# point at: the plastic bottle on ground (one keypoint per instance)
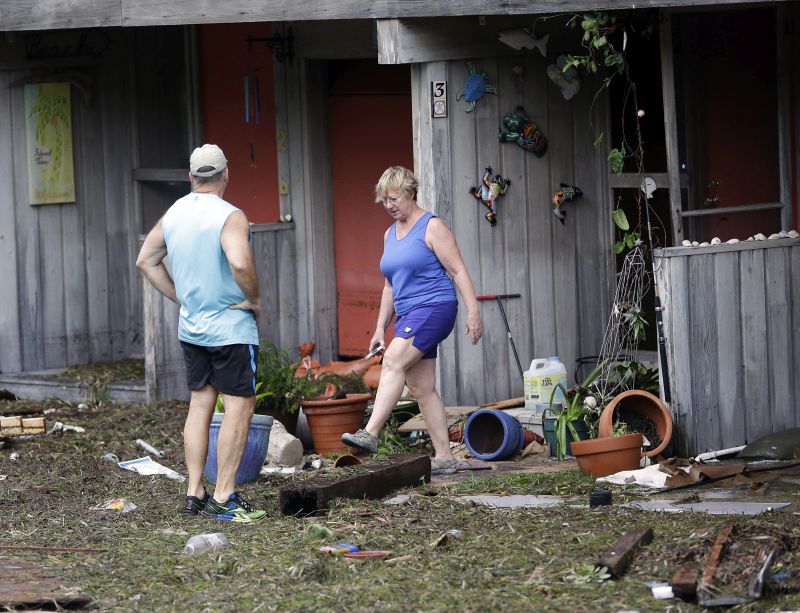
(205, 542)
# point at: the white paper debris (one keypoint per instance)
(148, 466)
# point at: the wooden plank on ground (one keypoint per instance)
(25, 584)
(17, 426)
(365, 481)
(684, 581)
(454, 414)
(505, 404)
(10, 426)
(619, 557)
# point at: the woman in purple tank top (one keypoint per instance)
(423, 268)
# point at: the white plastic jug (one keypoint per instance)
(541, 379)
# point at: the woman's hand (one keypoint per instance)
(377, 340)
(474, 327)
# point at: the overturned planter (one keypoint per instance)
(645, 404)
(604, 456)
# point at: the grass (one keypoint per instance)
(521, 559)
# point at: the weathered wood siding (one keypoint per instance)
(41, 14)
(732, 328)
(563, 271)
(275, 254)
(69, 293)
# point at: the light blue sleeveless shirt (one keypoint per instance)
(415, 273)
(202, 275)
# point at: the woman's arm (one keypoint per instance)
(442, 242)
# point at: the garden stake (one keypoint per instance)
(500, 298)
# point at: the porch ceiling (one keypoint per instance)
(66, 14)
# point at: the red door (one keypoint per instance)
(370, 119)
(733, 77)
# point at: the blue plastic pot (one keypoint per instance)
(255, 451)
(549, 425)
(493, 435)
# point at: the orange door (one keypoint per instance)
(370, 119)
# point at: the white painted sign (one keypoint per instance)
(439, 98)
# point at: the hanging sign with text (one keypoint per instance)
(48, 123)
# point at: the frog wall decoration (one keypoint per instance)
(475, 87)
(491, 189)
(521, 130)
(567, 193)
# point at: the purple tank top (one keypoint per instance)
(415, 273)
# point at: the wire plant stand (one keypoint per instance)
(623, 334)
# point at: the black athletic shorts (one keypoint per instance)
(231, 369)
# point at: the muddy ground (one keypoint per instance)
(521, 559)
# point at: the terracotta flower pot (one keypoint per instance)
(605, 456)
(329, 419)
(644, 403)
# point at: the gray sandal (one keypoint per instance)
(444, 467)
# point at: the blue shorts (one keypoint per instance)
(429, 325)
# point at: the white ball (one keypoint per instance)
(640, 113)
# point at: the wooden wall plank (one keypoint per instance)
(265, 255)
(319, 210)
(28, 248)
(702, 311)
(53, 277)
(11, 355)
(286, 260)
(432, 165)
(496, 353)
(297, 107)
(540, 219)
(466, 226)
(729, 347)
(755, 344)
(565, 290)
(124, 301)
(794, 275)
(779, 334)
(673, 280)
(513, 215)
(73, 255)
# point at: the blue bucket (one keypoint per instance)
(255, 451)
(493, 435)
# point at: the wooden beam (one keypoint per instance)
(49, 15)
(159, 175)
(671, 128)
(684, 581)
(619, 557)
(785, 81)
(361, 481)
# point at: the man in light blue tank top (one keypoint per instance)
(212, 277)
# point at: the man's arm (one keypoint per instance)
(151, 263)
(236, 245)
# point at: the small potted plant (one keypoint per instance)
(570, 423)
(338, 409)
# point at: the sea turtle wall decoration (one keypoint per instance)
(475, 86)
(491, 189)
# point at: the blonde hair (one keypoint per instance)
(397, 178)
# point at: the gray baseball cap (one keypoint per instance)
(207, 160)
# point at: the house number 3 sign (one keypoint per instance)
(439, 98)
